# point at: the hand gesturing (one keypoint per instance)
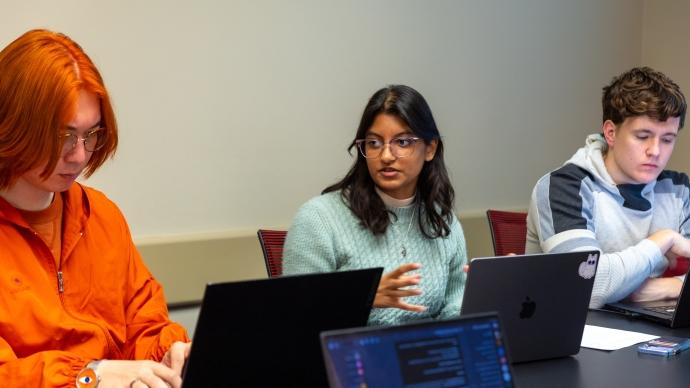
(396, 285)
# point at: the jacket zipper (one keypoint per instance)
(60, 278)
(112, 348)
(61, 282)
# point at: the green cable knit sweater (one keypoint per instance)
(326, 236)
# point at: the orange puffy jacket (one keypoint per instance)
(102, 303)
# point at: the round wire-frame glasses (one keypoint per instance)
(93, 141)
(400, 147)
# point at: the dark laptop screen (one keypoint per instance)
(265, 333)
(465, 352)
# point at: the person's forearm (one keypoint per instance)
(621, 273)
(664, 239)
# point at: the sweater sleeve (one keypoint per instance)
(561, 218)
(40, 369)
(456, 278)
(685, 216)
(309, 245)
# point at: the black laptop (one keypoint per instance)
(671, 312)
(461, 352)
(542, 300)
(265, 333)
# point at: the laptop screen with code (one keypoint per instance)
(462, 352)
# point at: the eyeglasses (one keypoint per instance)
(400, 147)
(94, 140)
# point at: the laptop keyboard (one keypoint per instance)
(668, 310)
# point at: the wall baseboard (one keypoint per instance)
(184, 264)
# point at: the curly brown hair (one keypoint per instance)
(643, 91)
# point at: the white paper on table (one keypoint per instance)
(603, 338)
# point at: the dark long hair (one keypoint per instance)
(435, 194)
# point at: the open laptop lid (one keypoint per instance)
(672, 312)
(464, 352)
(542, 300)
(266, 332)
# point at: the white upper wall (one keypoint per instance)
(233, 113)
(666, 47)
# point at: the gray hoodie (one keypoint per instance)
(579, 207)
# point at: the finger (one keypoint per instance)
(403, 282)
(177, 357)
(404, 269)
(403, 293)
(465, 268)
(151, 381)
(411, 307)
(682, 248)
(387, 301)
(392, 284)
(166, 375)
(409, 278)
(137, 383)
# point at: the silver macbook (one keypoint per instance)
(542, 300)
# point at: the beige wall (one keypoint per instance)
(666, 47)
(662, 43)
(233, 113)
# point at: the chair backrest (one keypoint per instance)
(508, 231)
(272, 246)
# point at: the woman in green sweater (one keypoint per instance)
(393, 209)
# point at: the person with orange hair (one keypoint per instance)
(78, 305)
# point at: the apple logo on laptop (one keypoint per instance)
(528, 308)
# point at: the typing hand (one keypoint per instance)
(670, 241)
(392, 288)
(175, 356)
(681, 247)
(137, 374)
(657, 289)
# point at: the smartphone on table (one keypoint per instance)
(664, 346)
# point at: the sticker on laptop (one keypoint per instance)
(588, 267)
